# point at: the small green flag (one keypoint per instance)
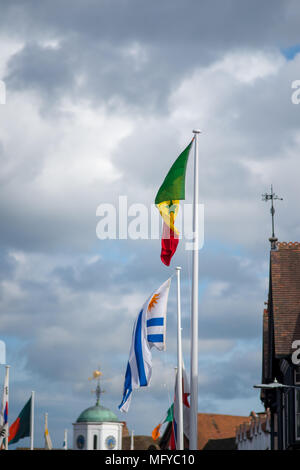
(167, 200)
(168, 419)
(21, 427)
(173, 186)
(170, 414)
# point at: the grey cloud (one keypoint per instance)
(172, 21)
(223, 379)
(7, 265)
(42, 69)
(175, 38)
(99, 72)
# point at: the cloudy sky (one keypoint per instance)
(101, 98)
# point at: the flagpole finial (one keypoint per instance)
(197, 131)
(178, 268)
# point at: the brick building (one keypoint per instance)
(281, 331)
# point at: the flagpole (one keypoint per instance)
(7, 393)
(194, 319)
(46, 428)
(32, 421)
(66, 439)
(132, 441)
(179, 443)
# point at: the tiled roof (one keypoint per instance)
(210, 427)
(140, 442)
(221, 444)
(214, 426)
(285, 272)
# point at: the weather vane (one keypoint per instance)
(96, 376)
(271, 197)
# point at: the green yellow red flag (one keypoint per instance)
(167, 200)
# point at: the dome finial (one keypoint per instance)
(96, 375)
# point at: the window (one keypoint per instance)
(95, 442)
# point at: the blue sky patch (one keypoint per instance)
(290, 52)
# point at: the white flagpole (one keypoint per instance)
(132, 441)
(66, 439)
(32, 421)
(6, 392)
(194, 320)
(179, 443)
(46, 429)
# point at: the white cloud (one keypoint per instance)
(8, 47)
(249, 66)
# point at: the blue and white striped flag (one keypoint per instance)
(149, 331)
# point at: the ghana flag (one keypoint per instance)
(167, 202)
(21, 427)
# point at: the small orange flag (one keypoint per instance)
(155, 432)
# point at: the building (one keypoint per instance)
(228, 443)
(255, 435)
(215, 431)
(281, 340)
(139, 443)
(98, 428)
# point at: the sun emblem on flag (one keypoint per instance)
(153, 301)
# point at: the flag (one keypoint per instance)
(167, 419)
(21, 427)
(65, 443)
(4, 411)
(167, 201)
(186, 411)
(48, 442)
(149, 331)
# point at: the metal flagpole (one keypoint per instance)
(6, 392)
(194, 319)
(179, 443)
(132, 441)
(66, 440)
(32, 421)
(46, 430)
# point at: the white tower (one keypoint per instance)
(97, 428)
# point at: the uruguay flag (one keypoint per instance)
(149, 331)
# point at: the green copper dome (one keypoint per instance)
(97, 414)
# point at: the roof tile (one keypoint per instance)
(285, 272)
